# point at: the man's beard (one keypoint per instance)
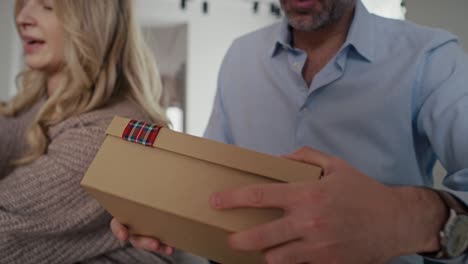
(312, 21)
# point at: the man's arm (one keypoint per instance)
(441, 114)
(347, 217)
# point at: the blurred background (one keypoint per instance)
(190, 37)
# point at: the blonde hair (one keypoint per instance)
(105, 58)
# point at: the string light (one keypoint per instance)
(274, 7)
(255, 7)
(205, 7)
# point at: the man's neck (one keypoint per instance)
(322, 45)
(332, 35)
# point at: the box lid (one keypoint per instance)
(281, 169)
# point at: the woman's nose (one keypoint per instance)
(24, 18)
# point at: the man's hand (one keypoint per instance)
(146, 243)
(345, 218)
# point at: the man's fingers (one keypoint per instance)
(266, 236)
(314, 157)
(275, 195)
(290, 253)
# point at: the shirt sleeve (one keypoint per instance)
(443, 116)
(218, 127)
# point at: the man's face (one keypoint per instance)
(310, 15)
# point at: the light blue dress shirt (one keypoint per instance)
(391, 102)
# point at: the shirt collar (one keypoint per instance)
(360, 35)
(282, 38)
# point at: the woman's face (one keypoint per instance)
(42, 35)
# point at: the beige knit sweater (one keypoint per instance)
(45, 217)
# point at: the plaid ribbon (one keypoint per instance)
(141, 132)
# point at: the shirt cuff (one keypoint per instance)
(462, 198)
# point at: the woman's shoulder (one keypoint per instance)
(123, 107)
(102, 117)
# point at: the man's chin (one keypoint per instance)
(303, 24)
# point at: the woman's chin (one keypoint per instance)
(40, 67)
(36, 66)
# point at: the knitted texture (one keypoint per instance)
(45, 216)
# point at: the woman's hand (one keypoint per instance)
(141, 242)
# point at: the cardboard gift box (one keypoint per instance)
(158, 183)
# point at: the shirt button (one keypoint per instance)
(297, 65)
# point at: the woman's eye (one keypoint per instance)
(48, 8)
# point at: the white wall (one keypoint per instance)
(387, 8)
(449, 15)
(7, 50)
(209, 37)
